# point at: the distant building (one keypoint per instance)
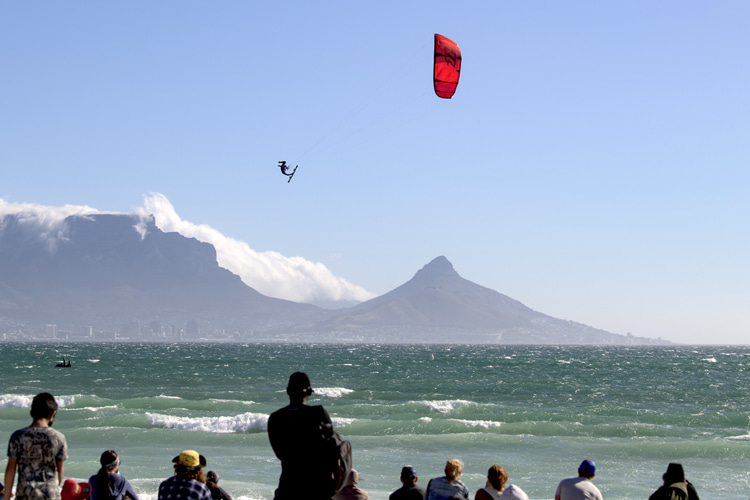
(192, 330)
(132, 330)
(51, 332)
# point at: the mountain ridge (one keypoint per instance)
(438, 305)
(119, 275)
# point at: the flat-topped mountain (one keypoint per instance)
(108, 270)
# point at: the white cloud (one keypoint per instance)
(43, 223)
(272, 274)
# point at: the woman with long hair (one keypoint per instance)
(108, 483)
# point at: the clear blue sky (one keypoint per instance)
(593, 163)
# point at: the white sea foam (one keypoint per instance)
(63, 401)
(24, 401)
(479, 423)
(446, 406)
(221, 425)
(15, 401)
(746, 437)
(710, 360)
(341, 421)
(332, 392)
(425, 419)
(94, 408)
(234, 401)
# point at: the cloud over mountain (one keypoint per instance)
(272, 274)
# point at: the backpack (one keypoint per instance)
(339, 453)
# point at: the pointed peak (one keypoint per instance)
(438, 266)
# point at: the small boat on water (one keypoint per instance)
(63, 364)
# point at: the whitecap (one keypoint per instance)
(63, 401)
(479, 423)
(445, 406)
(710, 360)
(248, 402)
(220, 425)
(24, 401)
(332, 392)
(341, 421)
(93, 408)
(15, 401)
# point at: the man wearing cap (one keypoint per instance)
(675, 487)
(409, 490)
(297, 434)
(188, 482)
(581, 487)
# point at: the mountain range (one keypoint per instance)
(111, 276)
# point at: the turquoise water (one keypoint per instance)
(537, 411)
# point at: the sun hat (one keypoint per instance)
(72, 490)
(190, 458)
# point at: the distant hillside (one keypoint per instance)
(438, 305)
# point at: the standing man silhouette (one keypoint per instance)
(298, 433)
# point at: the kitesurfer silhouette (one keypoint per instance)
(285, 169)
(63, 364)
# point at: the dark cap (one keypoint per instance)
(408, 472)
(587, 468)
(299, 383)
(212, 476)
(675, 473)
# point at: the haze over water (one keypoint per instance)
(537, 411)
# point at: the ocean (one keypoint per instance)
(537, 411)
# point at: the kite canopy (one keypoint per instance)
(447, 66)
